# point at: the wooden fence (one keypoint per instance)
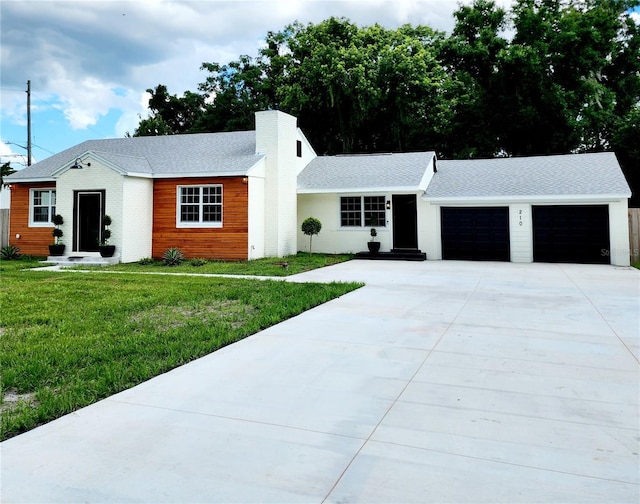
(634, 234)
(4, 227)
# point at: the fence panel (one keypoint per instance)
(4, 227)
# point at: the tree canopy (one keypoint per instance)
(546, 77)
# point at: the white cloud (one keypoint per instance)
(77, 53)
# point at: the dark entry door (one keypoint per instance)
(571, 233)
(88, 214)
(405, 221)
(475, 234)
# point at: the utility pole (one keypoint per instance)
(28, 123)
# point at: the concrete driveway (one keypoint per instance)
(437, 382)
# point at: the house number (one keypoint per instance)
(520, 218)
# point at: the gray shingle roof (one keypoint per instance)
(571, 174)
(203, 153)
(381, 171)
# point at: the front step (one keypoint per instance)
(82, 260)
(394, 255)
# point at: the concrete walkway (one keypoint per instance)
(437, 382)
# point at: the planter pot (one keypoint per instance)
(374, 247)
(56, 250)
(107, 250)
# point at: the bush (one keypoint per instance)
(198, 261)
(9, 253)
(146, 261)
(172, 257)
(311, 226)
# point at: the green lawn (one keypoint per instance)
(270, 266)
(70, 339)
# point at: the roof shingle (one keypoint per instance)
(561, 175)
(206, 153)
(353, 172)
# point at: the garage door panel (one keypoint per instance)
(475, 233)
(571, 233)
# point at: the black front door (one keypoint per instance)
(405, 221)
(88, 220)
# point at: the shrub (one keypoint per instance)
(311, 226)
(172, 257)
(106, 232)
(146, 261)
(198, 261)
(10, 252)
(57, 232)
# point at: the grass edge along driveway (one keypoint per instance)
(69, 340)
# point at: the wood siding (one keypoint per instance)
(230, 242)
(33, 240)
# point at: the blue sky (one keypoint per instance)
(90, 61)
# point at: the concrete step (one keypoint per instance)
(83, 260)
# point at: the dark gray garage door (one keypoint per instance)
(476, 234)
(577, 234)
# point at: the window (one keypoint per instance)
(43, 207)
(200, 206)
(359, 211)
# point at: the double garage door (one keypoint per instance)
(561, 233)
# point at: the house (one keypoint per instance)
(244, 195)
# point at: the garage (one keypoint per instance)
(475, 233)
(571, 234)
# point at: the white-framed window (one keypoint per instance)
(199, 206)
(363, 211)
(42, 207)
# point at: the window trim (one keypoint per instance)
(200, 223)
(32, 206)
(362, 225)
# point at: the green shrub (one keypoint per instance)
(10, 252)
(198, 261)
(311, 226)
(172, 257)
(146, 261)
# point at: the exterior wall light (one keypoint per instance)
(388, 204)
(79, 164)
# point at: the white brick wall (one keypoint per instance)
(521, 233)
(91, 178)
(137, 224)
(619, 233)
(276, 135)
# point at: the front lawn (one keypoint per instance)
(70, 339)
(269, 266)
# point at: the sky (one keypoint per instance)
(90, 61)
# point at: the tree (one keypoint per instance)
(171, 114)
(311, 226)
(471, 56)
(5, 171)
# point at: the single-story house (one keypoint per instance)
(244, 195)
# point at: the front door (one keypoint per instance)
(405, 221)
(88, 213)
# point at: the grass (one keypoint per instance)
(284, 266)
(70, 339)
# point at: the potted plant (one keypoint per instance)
(374, 246)
(57, 248)
(106, 250)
